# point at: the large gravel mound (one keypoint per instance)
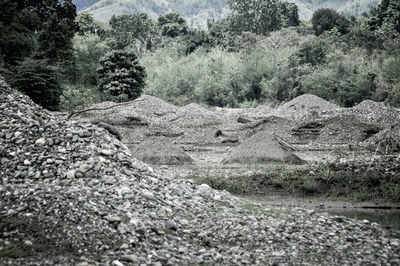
(304, 105)
(161, 151)
(71, 193)
(259, 149)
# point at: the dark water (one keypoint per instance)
(389, 219)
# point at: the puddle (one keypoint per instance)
(389, 219)
(387, 215)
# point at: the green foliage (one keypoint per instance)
(85, 23)
(17, 32)
(136, 30)
(262, 16)
(121, 75)
(55, 41)
(311, 52)
(79, 96)
(172, 25)
(325, 19)
(391, 70)
(39, 81)
(88, 50)
(310, 186)
(387, 18)
(394, 97)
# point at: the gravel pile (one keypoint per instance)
(72, 193)
(306, 104)
(261, 148)
(161, 151)
(194, 115)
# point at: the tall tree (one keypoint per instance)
(121, 75)
(262, 16)
(387, 17)
(17, 31)
(55, 41)
(172, 25)
(136, 29)
(325, 19)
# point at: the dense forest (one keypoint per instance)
(262, 53)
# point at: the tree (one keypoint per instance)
(262, 16)
(137, 29)
(121, 75)
(17, 32)
(172, 25)
(38, 80)
(85, 23)
(386, 17)
(325, 19)
(311, 52)
(55, 41)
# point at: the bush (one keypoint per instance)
(325, 19)
(39, 81)
(88, 50)
(78, 96)
(311, 52)
(121, 75)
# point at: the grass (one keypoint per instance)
(15, 251)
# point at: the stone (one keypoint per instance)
(148, 195)
(27, 163)
(28, 243)
(106, 152)
(85, 133)
(71, 174)
(113, 219)
(131, 258)
(117, 263)
(40, 142)
(171, 225)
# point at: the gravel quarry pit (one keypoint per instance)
(72, 194)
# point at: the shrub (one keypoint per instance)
(325, 19)
(78, 96)
(38, 80)
(121, 75)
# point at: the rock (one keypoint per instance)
(131, 258)
(27, 163)
(106, 152)
(113, 219)
(148, 195)
(40, 142)
(171, 225)
(71, 174)
(85, 133)
(117, 263)
(28, 243)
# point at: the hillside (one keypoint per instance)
(196, 12)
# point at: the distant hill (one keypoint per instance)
(195, 11)
(198, 11)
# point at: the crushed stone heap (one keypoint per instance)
(71, 193)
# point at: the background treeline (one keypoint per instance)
(261, 53)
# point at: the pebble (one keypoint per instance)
(148, 195)
(40, 142)
(142, 218)
(131, 258)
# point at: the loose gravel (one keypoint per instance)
(71, 193)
